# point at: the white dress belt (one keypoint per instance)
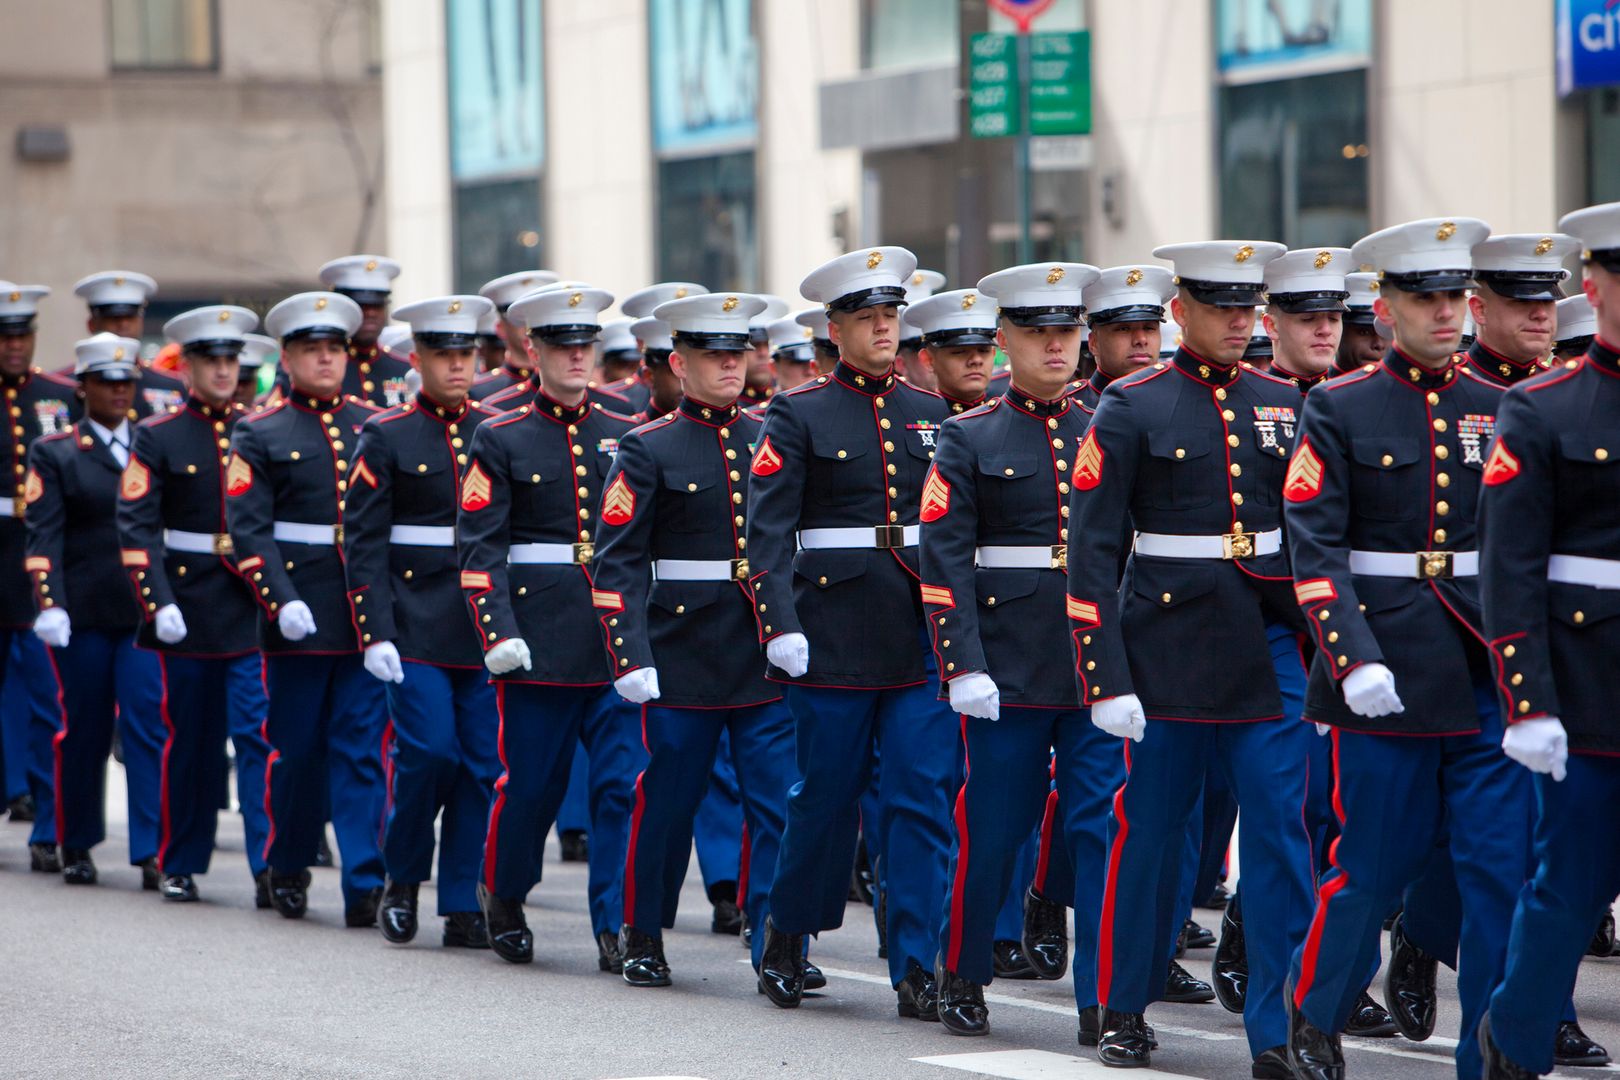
(869, 536)
(1420, 565)
(1050, 557)
(1584, 570)
(298, 532)
(700, 569)
(1227, 546)
(439, 536)
(197, 543)
(549, 554)
(8, 508)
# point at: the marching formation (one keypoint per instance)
(987, 603)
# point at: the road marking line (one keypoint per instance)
(1037, 1065)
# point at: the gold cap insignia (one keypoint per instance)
(15, 297)
(1243, 253)
(1446, 231)
(1372, 286)
(455, 306)
(320, 303)
(1133, 277)
(1323, 258)
(118, 353)
(576, 299)
(729, 304)
(1544, 245)
(917, 278)
(873, 260)
(680, 293)
(969, 300)
(371, 264)
(118, 281)
(224, 316)
(808, 333)
(1054, 275)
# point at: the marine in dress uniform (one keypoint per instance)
(197, 612)
(372, 375)
(37, 404)
(672, 558)
(664, 388)
(1515, 307)
(492, 350)
(88, 616)
(521, 391)
(257, 350)
(921, 285)
(529, 499)
(761, 384)
(994, 549)
(621, 364)
(1381, 497)
(793, 352)
(832, 534)
(117, 301)
(1548, 522)
(1360, 344)
(285, 488)
(399, 546)
(1577, 325)
(1191, 453)
(502, 292)
(815, 320)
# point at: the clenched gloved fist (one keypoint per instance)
(1120, 716)
(1540, 745)
(169, 624)
(297, 622)
(790, 652)
(382, 660)
(975, 694)
(509, 655)
(639, 686)
(1370, 691)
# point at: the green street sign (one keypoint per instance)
(1060, 83)
(992, 86)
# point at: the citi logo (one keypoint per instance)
(1599, 31)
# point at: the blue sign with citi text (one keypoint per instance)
(1588, 44)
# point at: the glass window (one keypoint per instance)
(908, 33)
(1602, 137)
(704, 77)
(706, 223)
(162, 35)
(1293, 160)
(497, 230)
(497, 106)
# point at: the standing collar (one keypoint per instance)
(443, 412)
(1498, 368)
(549, 407)
(1207, 372)
(856, 379)
(960, 405)
(1412, 373)
(209, 412)
(310, 403)
(1034, 406)
(1301, 382)
(1604, 355)
(712, 415)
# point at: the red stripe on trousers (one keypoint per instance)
(56, 750)
(954, 951)
(164, 777)
(635, 833)
(1313, 939)
(499, 803)
(1105, 934)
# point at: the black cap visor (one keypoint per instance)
(798, 353)
(574, 334)
(214, 347)
(1259, 348)
(1430, 281)
(621, 356)
(654, 356)
(1223, 293)
(1064, 315)
(1522, 285)
(1359, 316)
(112, 371)
(444, 339)
(865, 298)
(966, 335)
(16, 326)
(1577, 344)
(1608, 258)
(1302, 303)
(1129, 313)
(365, 297)
(317, 333)
(116, 311)
(702, 340)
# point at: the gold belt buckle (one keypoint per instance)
(19, 506)
(584, 552)
(1237, 545)
(337, 535)
(1060, 556)
(223, 544)
(888, 536)
(739, 569)
(1434, 564)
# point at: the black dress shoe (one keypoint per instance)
(150, 877)
(608, 956)
(813, 978)
(78, 868)
(44, 859)
(575, 845)
(1409, 985)
(781, 967)
(180, 888)
(1497, 1065)
(1573, 1048)
(1181, 988)
(289, 893)
(397, 914)
(728, 918)
(1218, 898)
(1229, 973)
(261, 890)
(465, 930)
(1007, 961)
(323, 853)
(1197, 937)
(1313, 1054)
(1045, 936)
(1272, 1065)
(509, 934)
(1602, 941)
(21, 808)
(1091, 1028)
(917, 996)
(363, 912)
(960, 1006)
(644, 963)
(1369, 1020)
(860, 878)
(1124, 1042)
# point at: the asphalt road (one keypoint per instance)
(113, 982)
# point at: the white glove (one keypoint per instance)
(1370, 691)
(53, 627)
(170, 624)
(1120, 716)
(975, 694)
(1540, 745)
(509, 655)
(790, 652)
(1322, 729)
(639, 686)
(382, 660)
(297, 622)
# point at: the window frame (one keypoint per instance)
(212, 67)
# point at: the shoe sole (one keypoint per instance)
(397, 939)
(1190, 999)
